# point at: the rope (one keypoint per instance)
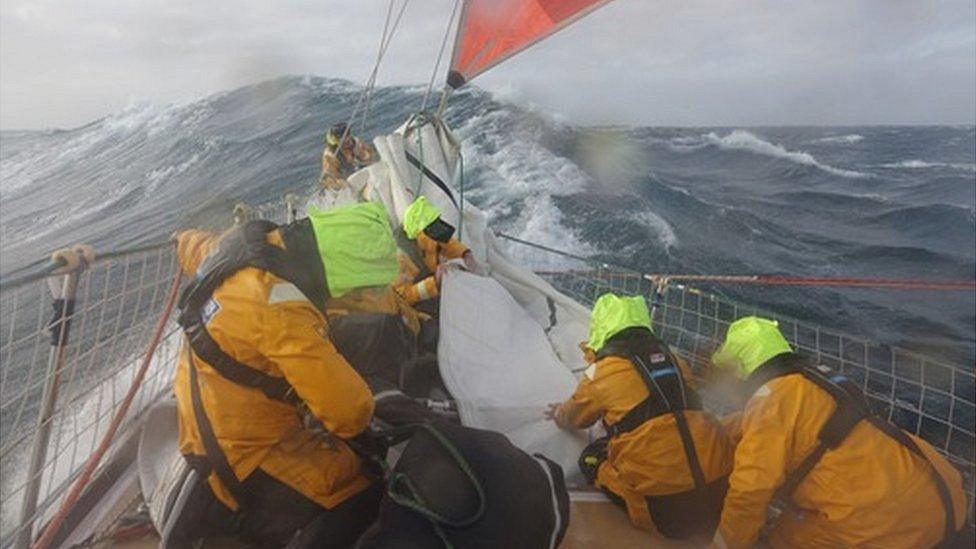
(761, 280)
(385, 40)
(440, 55)
(53, 528)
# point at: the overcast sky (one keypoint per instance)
(652, 62)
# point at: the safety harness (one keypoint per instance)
(851, 408)
(244, 247)
(667, 391)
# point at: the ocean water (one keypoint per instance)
(893, 202)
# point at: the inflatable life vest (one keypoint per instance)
(694, 513)
(852, 408)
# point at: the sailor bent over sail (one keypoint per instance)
(849, 478)
(259, 358)
(665, 457)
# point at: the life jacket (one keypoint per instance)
(851, 409)
(245, 246)
(412, 251)
(687, 514)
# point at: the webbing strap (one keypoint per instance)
(410, 248)
(215, 455)
(850, 410)
(687, 442)
(432, 177)
(203, 344)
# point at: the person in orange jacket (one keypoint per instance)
(257, 359)
(432, 241)
(344, 153)
(848, 477)
(666, 458)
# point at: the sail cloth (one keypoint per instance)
(509, 340)
(491, 31)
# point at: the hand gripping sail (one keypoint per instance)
(491, 31)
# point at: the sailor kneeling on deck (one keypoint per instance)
(846, 477)
(665, 458)
(258, 358)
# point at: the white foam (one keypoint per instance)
(658, 227)
(921, 165)
(741, 140)
(848, 139)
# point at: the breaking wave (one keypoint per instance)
(740, 140)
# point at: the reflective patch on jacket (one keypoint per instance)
(285, 291)
(210, 310)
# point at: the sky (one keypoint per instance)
(64, 63)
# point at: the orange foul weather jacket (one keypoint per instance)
(266, 323)
(337, 165)
(649, 460)
(432, 252)
(868, 492)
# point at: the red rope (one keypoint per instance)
(81, 482)
(776, 280)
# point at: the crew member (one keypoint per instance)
(847, 477)
(665, 458)
(257, 359)
(432, 241)
(344, 153)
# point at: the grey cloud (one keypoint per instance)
(697, 62)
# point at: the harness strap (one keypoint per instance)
(410, 248)
(432, 177)
(203, 344)
(851, 409)
(214, 454)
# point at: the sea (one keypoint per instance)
(874, 201)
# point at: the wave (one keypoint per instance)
(741, 140)
(922, 164)
(848, 139)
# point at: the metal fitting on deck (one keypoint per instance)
(76, 258)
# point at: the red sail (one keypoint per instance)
(491, 31)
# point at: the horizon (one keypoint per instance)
(495, 97)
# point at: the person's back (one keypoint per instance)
(869, 491)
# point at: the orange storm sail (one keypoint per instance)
(491, 31)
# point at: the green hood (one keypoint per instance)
(612, 314)
(749, 343)
(356, 246)
(418, 216)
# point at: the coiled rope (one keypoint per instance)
(67, 505)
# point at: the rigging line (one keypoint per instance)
(383, 48)
(440, 55)
(372, 76)
(757, 279)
